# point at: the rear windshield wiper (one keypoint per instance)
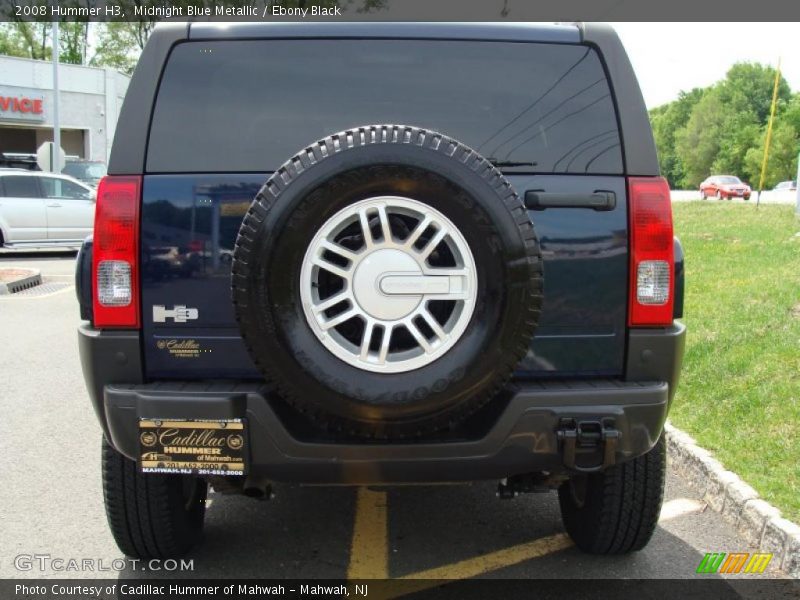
(510, 163)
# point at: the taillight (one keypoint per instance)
(652, 252)
(115, 255)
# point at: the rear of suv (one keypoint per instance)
(382, 254)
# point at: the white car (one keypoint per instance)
(44, 209)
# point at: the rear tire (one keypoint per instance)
(151, 515)
(310, 324)
(616, 511)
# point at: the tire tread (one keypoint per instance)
(269, 195)
(622, 505)
(141, 510)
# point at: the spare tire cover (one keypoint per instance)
(387, 279)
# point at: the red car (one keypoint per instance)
(724, 187)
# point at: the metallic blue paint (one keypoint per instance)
(189, 227)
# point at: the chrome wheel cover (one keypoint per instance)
(388, 284)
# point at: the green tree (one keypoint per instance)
(33, 40)
(738, 133)
(746, 93)
(119, 44)
(25, 39)
(73, 42)
(666, 121)
(698, 143)
(791, 114)
(782, 159)
(748, 87)
(717, 129)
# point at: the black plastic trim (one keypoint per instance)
(639, 148)
(656, 354)
(522, 440)
(680, 275)
(599, 200)
(521, 437)
(128, 151)
(521, 32)
(108, 357)
(83, 279)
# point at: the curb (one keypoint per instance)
(33, 278)
(759, 523)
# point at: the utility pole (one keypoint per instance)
(769, 132)
(56, 159)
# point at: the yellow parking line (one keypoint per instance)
(369, 550)
(472, 567)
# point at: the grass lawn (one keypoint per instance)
(739, 394)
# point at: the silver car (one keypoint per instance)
(43, 209)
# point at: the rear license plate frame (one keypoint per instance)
(199, 447)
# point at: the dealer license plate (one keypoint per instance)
(193, 447)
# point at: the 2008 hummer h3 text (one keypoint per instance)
(382, 253)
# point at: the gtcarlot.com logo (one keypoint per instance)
(58, 564)
(735, 562)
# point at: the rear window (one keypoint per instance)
(232, 106)
(20, 186)
(85, 170)
(55, 187)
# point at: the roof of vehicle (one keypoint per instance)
(528, 32)
(19, 155)
(28, 173)
(638, 145)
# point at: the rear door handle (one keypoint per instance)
(56, 205)
(597, 200)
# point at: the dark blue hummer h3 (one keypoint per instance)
(382, 253)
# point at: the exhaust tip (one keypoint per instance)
(257, 488)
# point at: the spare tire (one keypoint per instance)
(387, 279)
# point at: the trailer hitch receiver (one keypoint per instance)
(587, 437)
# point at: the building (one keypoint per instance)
(91, 99)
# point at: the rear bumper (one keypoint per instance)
(521, 438)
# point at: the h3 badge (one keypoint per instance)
(179, 313)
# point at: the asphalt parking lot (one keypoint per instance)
(52, 502)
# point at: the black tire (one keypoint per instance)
(616, 511)
(151, 515)
(334, 173)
